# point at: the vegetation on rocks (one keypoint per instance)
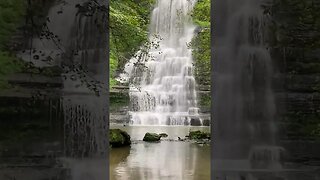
(119, 138)
(11, 14)
(198, 135)
(128, 31)
(295, 41)
(152, 137)
(201, 42)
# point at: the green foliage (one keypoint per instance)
(119, 138)
(11, 13)
(198, 135)
(201, 13)
(113, 61)
(201, 54)
(8, 65)
(298, 125)
(300, 17)
(128, 24)
(201, 42)
(151, 137)
(205, 100)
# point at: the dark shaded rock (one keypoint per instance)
(151, 137)
(119, 138)
(206, 122)
(198, 135)
(163, 135)
(195, 121)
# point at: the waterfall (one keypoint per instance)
(244, 108)
(78, 46)
(163, 92)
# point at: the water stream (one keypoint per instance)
(164, 92)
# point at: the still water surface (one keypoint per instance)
(168, 160)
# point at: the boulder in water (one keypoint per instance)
(119, 138)
(151, 137)
(196, 135)
(195, 121)
(163, 135)
(206, 122)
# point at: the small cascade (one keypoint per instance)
(164, 92)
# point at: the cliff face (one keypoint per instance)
(294, 40)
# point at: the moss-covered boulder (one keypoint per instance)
(119, 138)
(196, 135)
(151, 137)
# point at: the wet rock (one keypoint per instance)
(181, 139)
(119, 138)
(163, 135)
(195, 121)
(151, 137)
(195, 135)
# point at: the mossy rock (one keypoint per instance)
(119, 138)
(163, 135)
(151, 137)
(198, 135)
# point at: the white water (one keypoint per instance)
(164, 92)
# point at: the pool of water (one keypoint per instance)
(168, 159)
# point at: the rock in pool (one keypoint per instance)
(119, 138)
(151, 137)
(196, 135)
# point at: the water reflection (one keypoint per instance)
(87, 168)
(174, 160)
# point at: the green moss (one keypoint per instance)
(115, 136)
(8, 65)
(151, 137)
(118, 138)
(196, 135)
(11, 14)
(200, 44)
(205, 100)
(298, 125)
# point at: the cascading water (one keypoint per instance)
(83, 49)
(244, 102)
(164, 92)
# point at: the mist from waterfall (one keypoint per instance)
(163, 92)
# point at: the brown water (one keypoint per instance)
(176, 160)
